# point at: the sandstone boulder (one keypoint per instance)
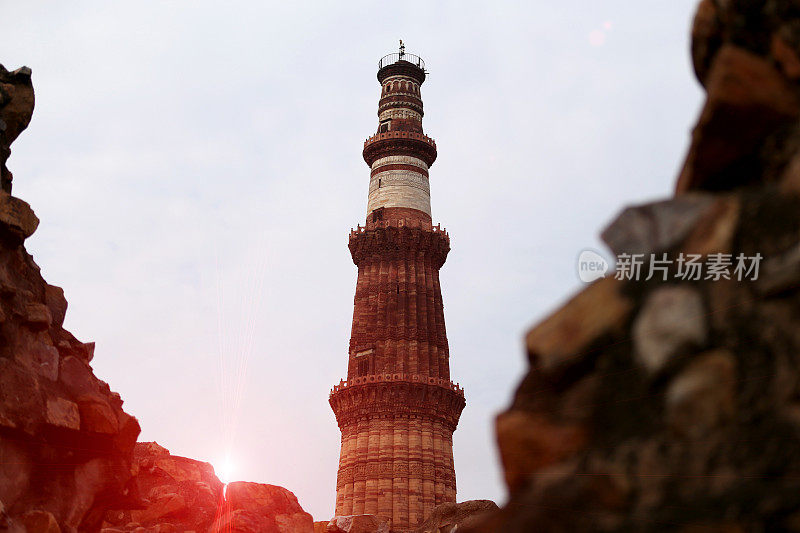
(361, 523)
(452, 517)
(181, 494)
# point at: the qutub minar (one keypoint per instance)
(398, 409)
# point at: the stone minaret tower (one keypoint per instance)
(398, 408)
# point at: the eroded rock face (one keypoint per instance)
(452, 517)
(16, 109)
(671, 403)
(65, 442)
(180, 494)
(360, 523)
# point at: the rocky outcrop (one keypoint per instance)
(452, 517)
(69, 460)
(16, 109)
(176, 494)
(360, 523)
(254, 508)
(65, 442)
(670, 401)
(180, 494)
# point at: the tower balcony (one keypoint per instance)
(397, 377)
(390, 59)
(398, 143)
(401, 64)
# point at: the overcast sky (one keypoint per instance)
(197, 168)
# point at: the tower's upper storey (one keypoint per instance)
(399, 153)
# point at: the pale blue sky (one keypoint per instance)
(185, 153)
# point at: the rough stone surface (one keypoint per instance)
(657, 226)
(748, 100)
(16, 217)
(59, 469)
(685, 414)
(703, 396)
(16, 109)
(362, 523)
(181, 494)
(451, 517)
(671, 323)
(565, 339)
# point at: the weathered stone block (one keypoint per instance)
(17, 219)
(37, 316)
(63, 413)
(357, 524)
(40, 522)
(748, 98)
(41, 359)
(703, 396)
(657, 226)
(564, 337)
(97, 416)
(672, 322)
(56, 303)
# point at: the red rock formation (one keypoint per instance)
(16, 109)
(65, 442)
(67, 455)
(180, 494)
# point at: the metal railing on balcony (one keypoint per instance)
(391, 59)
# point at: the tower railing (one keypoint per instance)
(400, 134)
(398, 377)
(391, 59)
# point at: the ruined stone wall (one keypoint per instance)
(65, 442)
(672, 402)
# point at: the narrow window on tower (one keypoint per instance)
(384, 126)
(363, 359)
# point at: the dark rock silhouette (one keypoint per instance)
(16, 109)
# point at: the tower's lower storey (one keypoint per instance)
(397, 446)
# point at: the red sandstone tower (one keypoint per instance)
(398, 409)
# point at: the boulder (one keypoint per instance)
(452, 517)
(360, 523)
(182, 494)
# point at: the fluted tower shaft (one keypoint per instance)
(398, 408)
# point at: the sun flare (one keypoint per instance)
(224, 470)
